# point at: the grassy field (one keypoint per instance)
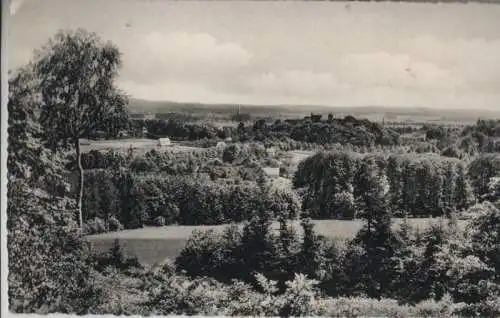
(154, 244)
(138, 145)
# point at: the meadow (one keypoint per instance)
(152, 245)
(137, 144)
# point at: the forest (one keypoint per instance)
(357, 170)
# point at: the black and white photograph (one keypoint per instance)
(250, 158)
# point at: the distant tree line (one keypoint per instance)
(175, 129)
(334, 130)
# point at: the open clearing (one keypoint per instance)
(154, 244)
(138, 145)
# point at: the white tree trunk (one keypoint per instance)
(80, 183)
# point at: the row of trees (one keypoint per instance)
(333, 183)
(176, 129)
(347, 130)
(482, 137)
(330, 183)
(482, 172)
(136, 200)
(157, 160)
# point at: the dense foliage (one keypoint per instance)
(48, 267)
(78, 96)
(443, 262)
(160, 292)
(416, 185)
(484, 136)
(136, 200)
(235, 161)
(348, 130)
(482, 171)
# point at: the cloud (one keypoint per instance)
(183, 91)
(294, 82)
(357, 78)
(391, 54)
(15, 5)
(382, 69)
(182, 55)
(422, 71)
(475, 60)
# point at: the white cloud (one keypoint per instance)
(294, 82)
(157, 56)
(395, 71)
(15, 5)
(175, 90)
(394, 54)
(476, 61)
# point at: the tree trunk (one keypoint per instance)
(80, 183)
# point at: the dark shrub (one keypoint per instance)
(141, 164)
(95, 226)
(114, 224)
(159, 221)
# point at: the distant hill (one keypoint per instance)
(370, 112)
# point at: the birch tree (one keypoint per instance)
(77, 70)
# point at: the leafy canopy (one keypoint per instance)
(77, 72)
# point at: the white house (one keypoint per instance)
(162, 142)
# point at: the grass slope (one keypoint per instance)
(153, 244)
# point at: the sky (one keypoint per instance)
(301, 53)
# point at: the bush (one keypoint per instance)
(141, 164)
(230, 153)
(171, 213)
(165, 267)
(116, 258)
(451, 152)
(135, 224)
(159, 221)
(284, 173)
(95, 226)
(195, 257)
(114, 224)
(489, 307)
(362, 307)
(432, 308)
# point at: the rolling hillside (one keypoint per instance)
(417, 114)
